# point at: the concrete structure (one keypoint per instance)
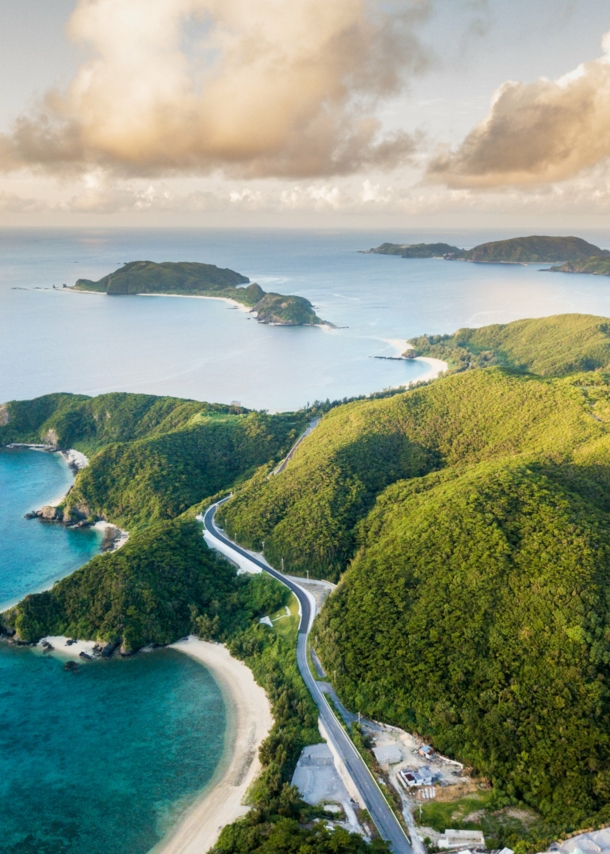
(389, 754)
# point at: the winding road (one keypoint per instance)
(370, 792)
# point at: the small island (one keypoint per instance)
(594, 266)
(518, 250)
(191, 279)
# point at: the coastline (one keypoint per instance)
(250, 720)
(436, 366)
(233, 302)
(76, 460)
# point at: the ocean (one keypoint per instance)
(207, 350)
(105, 760)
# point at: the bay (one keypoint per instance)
(33, 555)
(102, 761)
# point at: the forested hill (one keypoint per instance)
(551, 346)
(468, 521)
(534, 249)
(151, 457)
(193, 279)
(517, 250)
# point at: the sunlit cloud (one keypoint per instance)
(256, 89)
(536, 133)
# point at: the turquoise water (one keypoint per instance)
(101, 761)
(104, 760)
(206, 350)
(33, 555)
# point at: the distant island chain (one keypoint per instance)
(572, 254)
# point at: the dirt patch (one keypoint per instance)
(524, 816)
(447, 794)
(5, 415)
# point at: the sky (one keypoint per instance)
(305, 113)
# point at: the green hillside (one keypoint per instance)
(476, 612)
(147, 277)
(594, 266)
(152, 457)
(308, 515)
(193, 279)
(470, 521)
(534, 249)
(551, 346)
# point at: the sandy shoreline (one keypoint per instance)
(436, 366)
(233, 302)
(249, 724)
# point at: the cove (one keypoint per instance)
(106, 759)
(33, 555)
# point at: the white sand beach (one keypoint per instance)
(232, 302)
(250, 722)
(436, 366)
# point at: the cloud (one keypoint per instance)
(536, 133)
(265, 88)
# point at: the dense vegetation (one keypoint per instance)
(152, 590)
(518, 250)
(308, 515)
(147, 277)
(551, 346)
(152, 457)
(535, 249)
(476, 612)
(472, 516)
(416, 250)
(594, 266)
(194, 279)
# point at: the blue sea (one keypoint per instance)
(207, 350)
(105, 760)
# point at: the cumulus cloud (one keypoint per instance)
(536, 133)
(265, 88)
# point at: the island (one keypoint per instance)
(595, 266)
(535, 249)
(415, 250)
(192, 279)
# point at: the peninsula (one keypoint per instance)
(594, 266)
(518, 250)
(192, 279)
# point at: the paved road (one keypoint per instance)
(279, 469)
(382, 815)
